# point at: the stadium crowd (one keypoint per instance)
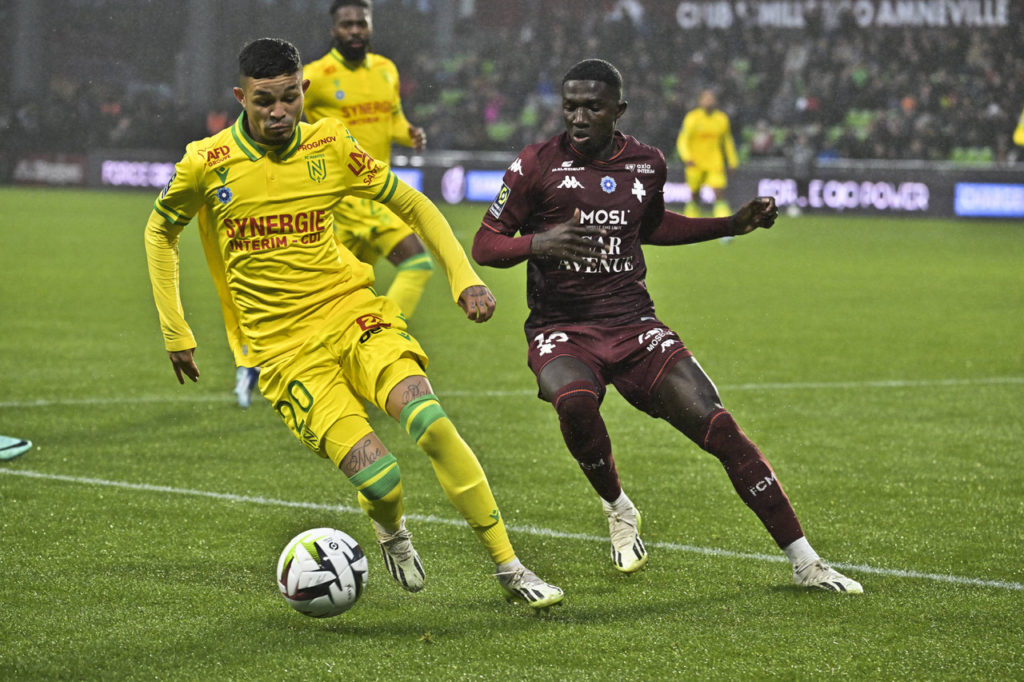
(844, 92)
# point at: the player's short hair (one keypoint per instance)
(338, 4)
(596, 70)
(268, 58)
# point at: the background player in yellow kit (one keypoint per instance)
(360, 88)
(264, 192)
(706, 147)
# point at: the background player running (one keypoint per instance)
(584, 202)
(264, 191)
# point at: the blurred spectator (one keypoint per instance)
(891, 93)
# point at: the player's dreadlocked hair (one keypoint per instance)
(338, 4)
(267, 58)
(596, 70)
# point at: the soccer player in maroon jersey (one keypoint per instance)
(583, 203)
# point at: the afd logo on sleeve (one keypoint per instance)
(499, 202)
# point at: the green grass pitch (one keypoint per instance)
(878, 362)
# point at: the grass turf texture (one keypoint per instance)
(877, 362)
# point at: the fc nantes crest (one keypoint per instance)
(317, 166)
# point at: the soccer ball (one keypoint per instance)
(322, 572)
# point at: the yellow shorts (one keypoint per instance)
(368, 229)
(360, 354)
(697, 177)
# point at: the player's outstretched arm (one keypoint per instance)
(184, 363)
(759, 212)
(478, 303)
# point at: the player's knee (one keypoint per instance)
(724, 439)
(426, 422)
(577, 403)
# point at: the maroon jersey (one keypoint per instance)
(543, 187)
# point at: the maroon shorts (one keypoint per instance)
(632, 357)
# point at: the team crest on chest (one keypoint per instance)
(317, 167)
(608, 184)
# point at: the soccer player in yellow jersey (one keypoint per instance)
(706, 147)
(1018, 134)
(360, 88)
(264, 192)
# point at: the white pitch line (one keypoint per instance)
(529, 530)
(460, 393)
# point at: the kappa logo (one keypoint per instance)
(516, 167)
(570, 182)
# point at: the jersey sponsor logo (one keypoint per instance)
(498, 205)
(317, 167)
(360, 161)
(643, 168)
(638, 190)
(608, 184)
(368, 109)
(567, 166)
(516, 167)
(602, 216)
(259, 233)
(657, 337)
(317, 143)
(546, 344)
(570, 182)
(222, 173)
(371, 324)
(217, 154)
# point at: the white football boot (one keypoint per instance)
(628, 551)
(401, 559)
(522, 583)
(819, 575)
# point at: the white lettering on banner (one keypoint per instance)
(49, 172)
(722, 14)
(135, 173)
(842, 195)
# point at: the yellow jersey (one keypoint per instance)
(706, 140)
(266, 218)
(1018, 134)
(364, 96)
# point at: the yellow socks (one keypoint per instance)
(379, 487)
(720, 209)
(459, 473)
(411, 278)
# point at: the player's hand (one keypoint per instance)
(759, 212)
(184, 363)
(419, 138)
(478, 303)
(569, 241)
